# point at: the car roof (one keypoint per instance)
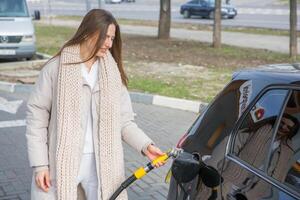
(273, 73)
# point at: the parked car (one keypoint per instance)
(113, 1)
(17, 37)
(250, 133)
(206, 8)
(130, 1)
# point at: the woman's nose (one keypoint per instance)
(108, 43)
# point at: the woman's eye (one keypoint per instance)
(110, 38)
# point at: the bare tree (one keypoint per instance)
(293, 29)
(164, 19)
(217, 25)
(49, 12)
(87, 5)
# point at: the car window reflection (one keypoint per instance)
(285, 151)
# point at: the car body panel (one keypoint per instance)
(238, 103)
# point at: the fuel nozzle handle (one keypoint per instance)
(142, 171)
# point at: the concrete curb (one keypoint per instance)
(43, 55)
(149, 99)
(170, 102)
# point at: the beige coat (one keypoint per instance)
(42, 124)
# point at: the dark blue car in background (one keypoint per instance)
(206, 9)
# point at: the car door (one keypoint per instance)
(193, 7)
(284, 156)
(262, 163)
(203, 8)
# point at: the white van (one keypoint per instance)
(17, 39)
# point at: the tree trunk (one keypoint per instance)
(164, 19)
(293, 29)
(49, 16)
(217, 25)
(87, 5)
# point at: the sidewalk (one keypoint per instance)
(164, 125)
(268, 42)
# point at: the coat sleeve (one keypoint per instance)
(131, 133)
(37, 119)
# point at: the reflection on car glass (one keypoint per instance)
(281, 150)
(284, 164)
(252, 143)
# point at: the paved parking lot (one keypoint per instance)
(163, 125)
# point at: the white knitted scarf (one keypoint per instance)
(109, 150)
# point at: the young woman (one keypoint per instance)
(79, 112)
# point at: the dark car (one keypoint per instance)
(206, 8)
(250, 135)
(128, 1)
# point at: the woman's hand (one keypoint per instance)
(42, 180)
(153, 152)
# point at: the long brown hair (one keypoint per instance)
(97, 21)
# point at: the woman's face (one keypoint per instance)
(285, 127)
(110, 35)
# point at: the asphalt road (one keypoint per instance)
(265, 14)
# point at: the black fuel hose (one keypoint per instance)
(142, 171)
(123, 186)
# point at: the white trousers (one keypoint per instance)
(87, 176)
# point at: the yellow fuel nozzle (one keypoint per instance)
(142, 171)
(160, 159)
(171, 153)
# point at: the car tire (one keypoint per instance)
(31, 57)
(186, 14)
(231, 17)
(211, 15)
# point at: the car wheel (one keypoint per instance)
(211, 15)
(186, 14)
(31, 57)
(231, 17)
